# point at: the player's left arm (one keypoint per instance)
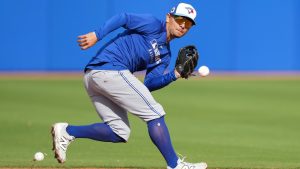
(156, 79)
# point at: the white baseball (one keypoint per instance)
(203, 71)
(38, 156)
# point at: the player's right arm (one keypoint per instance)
(87, 40)
(139, 23)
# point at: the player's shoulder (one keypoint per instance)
(146, 18)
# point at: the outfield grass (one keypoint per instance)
(226, 122)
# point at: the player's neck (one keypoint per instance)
(169, 36)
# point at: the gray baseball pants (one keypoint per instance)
(114, 93)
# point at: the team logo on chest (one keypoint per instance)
(154, 52)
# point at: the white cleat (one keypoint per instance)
(185, 165)
(61, 140)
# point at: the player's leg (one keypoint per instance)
(115, 127)
(112, 115)
(96, 131)
(159, 134)
(63, 134)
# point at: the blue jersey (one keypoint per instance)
(142, 46)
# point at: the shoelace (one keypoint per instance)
(181, 157)
(187, 165)
(63, 143)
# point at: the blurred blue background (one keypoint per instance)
(231, 35)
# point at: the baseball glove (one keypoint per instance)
(187, 60)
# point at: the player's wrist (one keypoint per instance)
(177, 75)
(97, 35)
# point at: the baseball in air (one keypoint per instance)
(38, 156)
(203, 71)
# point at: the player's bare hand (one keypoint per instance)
(88, 40)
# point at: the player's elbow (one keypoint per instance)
(150, 85)
(147, 84)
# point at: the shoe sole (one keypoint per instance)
(53, 146)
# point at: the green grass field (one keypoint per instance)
(227, 122)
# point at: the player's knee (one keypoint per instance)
(155, 116)
(122, 136)
(125, 133)
(118, 139)
(121, 129)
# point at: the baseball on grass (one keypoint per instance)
(203, 71)
(38, 156)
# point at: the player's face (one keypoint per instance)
(179, 25)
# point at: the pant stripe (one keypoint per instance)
(139, 93)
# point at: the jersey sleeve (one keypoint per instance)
(156, 79)
(142, 23)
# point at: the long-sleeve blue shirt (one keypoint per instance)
(142, 46)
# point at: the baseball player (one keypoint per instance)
(114, 90)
